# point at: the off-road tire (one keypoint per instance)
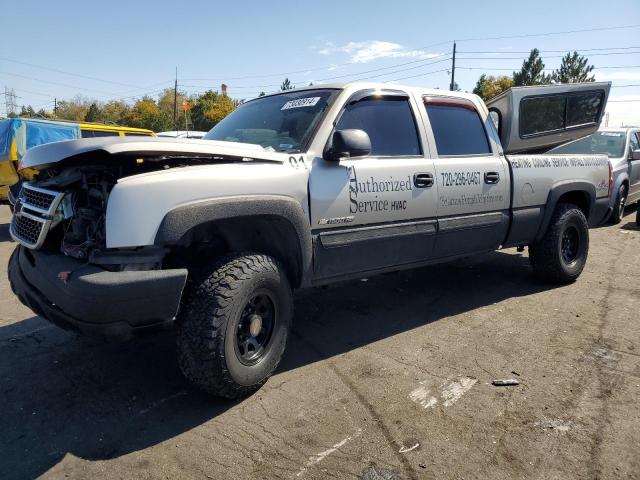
(546, 256)
(207, 339)
(618, 207)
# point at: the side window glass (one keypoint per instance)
(136, 134)
(457, 128)
(98, 133)
(634, 144)
(388, 122)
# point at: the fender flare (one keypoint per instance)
(558, 191)
(178, 221)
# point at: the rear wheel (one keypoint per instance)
(234, 325)
(561, 254)
(618, 208)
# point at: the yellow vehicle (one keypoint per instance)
(17, 135)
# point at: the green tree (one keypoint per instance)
(488, 87)
(115, 112)
(573, 69)
(166, 105)
(262, 94)
(93, 113)
(27, 112)
(210, 108)
(286, 85)
(74, 110)
(532, 71)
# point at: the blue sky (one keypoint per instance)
(125, 49)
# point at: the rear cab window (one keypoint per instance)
(457, 127)
(388, 120)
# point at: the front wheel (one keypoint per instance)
(234, 325)
(561, 254)
(618, 208)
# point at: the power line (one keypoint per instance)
(554, 51)
(354, 74)
(566, 32)
(546, 56)
(69, 73)
(516, 69)
(395, 65)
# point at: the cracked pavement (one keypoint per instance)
(353, 395)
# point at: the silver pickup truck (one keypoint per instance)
(297, 189)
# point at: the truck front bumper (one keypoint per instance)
(97, 302)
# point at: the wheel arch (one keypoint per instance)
(271, 224)
(581, 194)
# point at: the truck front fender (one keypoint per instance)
(178, 222)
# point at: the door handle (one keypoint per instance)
(491, 178)
(423, 180)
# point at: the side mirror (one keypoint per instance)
(348, 143)
(635, 155)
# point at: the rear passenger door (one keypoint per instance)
(378, 211)
(472, 181)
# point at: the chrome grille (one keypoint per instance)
(37, 198)
(33, 214)
(27, 229)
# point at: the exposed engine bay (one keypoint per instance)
(76, 196)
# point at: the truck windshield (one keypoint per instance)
(608, 143)
(283, 122)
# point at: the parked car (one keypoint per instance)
(622, 146)
(182, 134)
(17, 135)
(301, 188)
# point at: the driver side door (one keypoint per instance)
(374, 212)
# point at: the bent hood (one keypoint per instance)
(51, 153)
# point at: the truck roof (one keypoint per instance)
(380, 86)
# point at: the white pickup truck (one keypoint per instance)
(301, 188)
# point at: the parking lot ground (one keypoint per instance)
(388, 378)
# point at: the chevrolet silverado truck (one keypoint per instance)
(292, 190)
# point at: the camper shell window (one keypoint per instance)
(540, 115)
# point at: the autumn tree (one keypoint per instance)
(532, 71)
(145, 113)
(210, 108)
(573, 69)
(488, 87)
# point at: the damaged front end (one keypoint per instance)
(63, 270)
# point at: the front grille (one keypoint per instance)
(33, 215)
(37, 198)
(27, 229)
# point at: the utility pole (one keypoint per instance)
(453, 68)
(175, 102)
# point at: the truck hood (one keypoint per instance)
(51, 153)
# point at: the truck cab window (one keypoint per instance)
(388, 122)
(457, 129)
